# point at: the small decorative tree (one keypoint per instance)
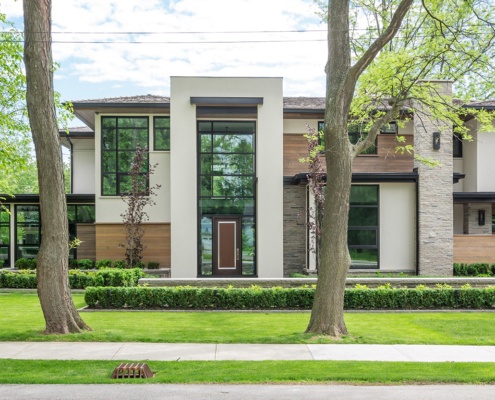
(137, 197)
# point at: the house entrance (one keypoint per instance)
(227, 246)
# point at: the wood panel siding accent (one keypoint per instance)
(386, 160)
(86, 233)
(474, 249)
(156, 240)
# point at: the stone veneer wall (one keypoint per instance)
(471, 225)
(435, 214)
(294, 229)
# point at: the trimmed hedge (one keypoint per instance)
(77, 279)
(475, 269)
(256, 298)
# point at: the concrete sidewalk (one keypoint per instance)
(245, 352)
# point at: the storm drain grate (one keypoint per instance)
(132, 370)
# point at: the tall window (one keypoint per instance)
(4, 238)
(77, 215)
(119, 138)
(226, 186)
(161, 135)
(28, 231)
(355, 132)
(363, 226)
(457, 146)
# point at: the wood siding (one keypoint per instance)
(387, 160)
(86, 233)
(474, 249)
(156, 240)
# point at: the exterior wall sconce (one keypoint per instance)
(436, 140)
(481, 217)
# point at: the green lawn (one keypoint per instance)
(21, 319)
(29, 372)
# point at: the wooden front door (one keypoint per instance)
(227, 246)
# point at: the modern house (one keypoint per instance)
(234, 198)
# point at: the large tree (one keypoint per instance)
(52, 262)
(378, 50)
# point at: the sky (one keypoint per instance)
(110, 48)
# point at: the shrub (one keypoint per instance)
(474, 269)
(25, 263)
(73, 264)
(119, 264)
(103, 264)
(85, 263)
(153, 265)
(256, 298)
(139, 264)
(2, 263)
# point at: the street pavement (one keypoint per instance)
(244, 392)
(246, 352)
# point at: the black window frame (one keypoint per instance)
(155, 128)
(375, 228)
(77, 220)
(120, 175)
(200, 196)
(6, 225)
(457, 146)
(21, 224)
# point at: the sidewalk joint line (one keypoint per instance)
(114, 354)
(403, 353)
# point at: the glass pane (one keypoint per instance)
(230, 164)
(110, 184)
(130, 138)
(363, 216)
(4, 255)
(4, 217)
(125, 184)
(204, 126)
(206, 143)
(364, 195)
(27, 251)
(108, 139)
(206, 164)
(28, 214)
(206, 186)
(248, 246)
(361, 237)
(4, 235)
(86, 214)
(364, 257)
(162, 139)
(233, 127)
(71, 213)
(28, 234)
(125, 160)
(233, 143)
(233, 186)
(162, 122)
(108, 161)
(206, 245)
(132, 122)
(226, 206)
(108, 122)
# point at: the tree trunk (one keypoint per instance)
(52, 262)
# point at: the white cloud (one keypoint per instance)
(150, 65)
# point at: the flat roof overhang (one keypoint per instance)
(474, 197)
(360, 177)
(35, 198)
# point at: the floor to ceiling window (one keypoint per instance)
(226, 197)
(4, 238)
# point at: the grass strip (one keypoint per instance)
(22, 320)
(88, 372)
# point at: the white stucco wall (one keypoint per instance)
(459, 167)
(486, 161)
(269, 154)
(83, 166)
(469, 156)
(298, 126)
(397, 227)
(109, 208)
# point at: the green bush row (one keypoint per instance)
(475, 269)
(256, 298)
(77, 279)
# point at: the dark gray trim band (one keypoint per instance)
(227, 101)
